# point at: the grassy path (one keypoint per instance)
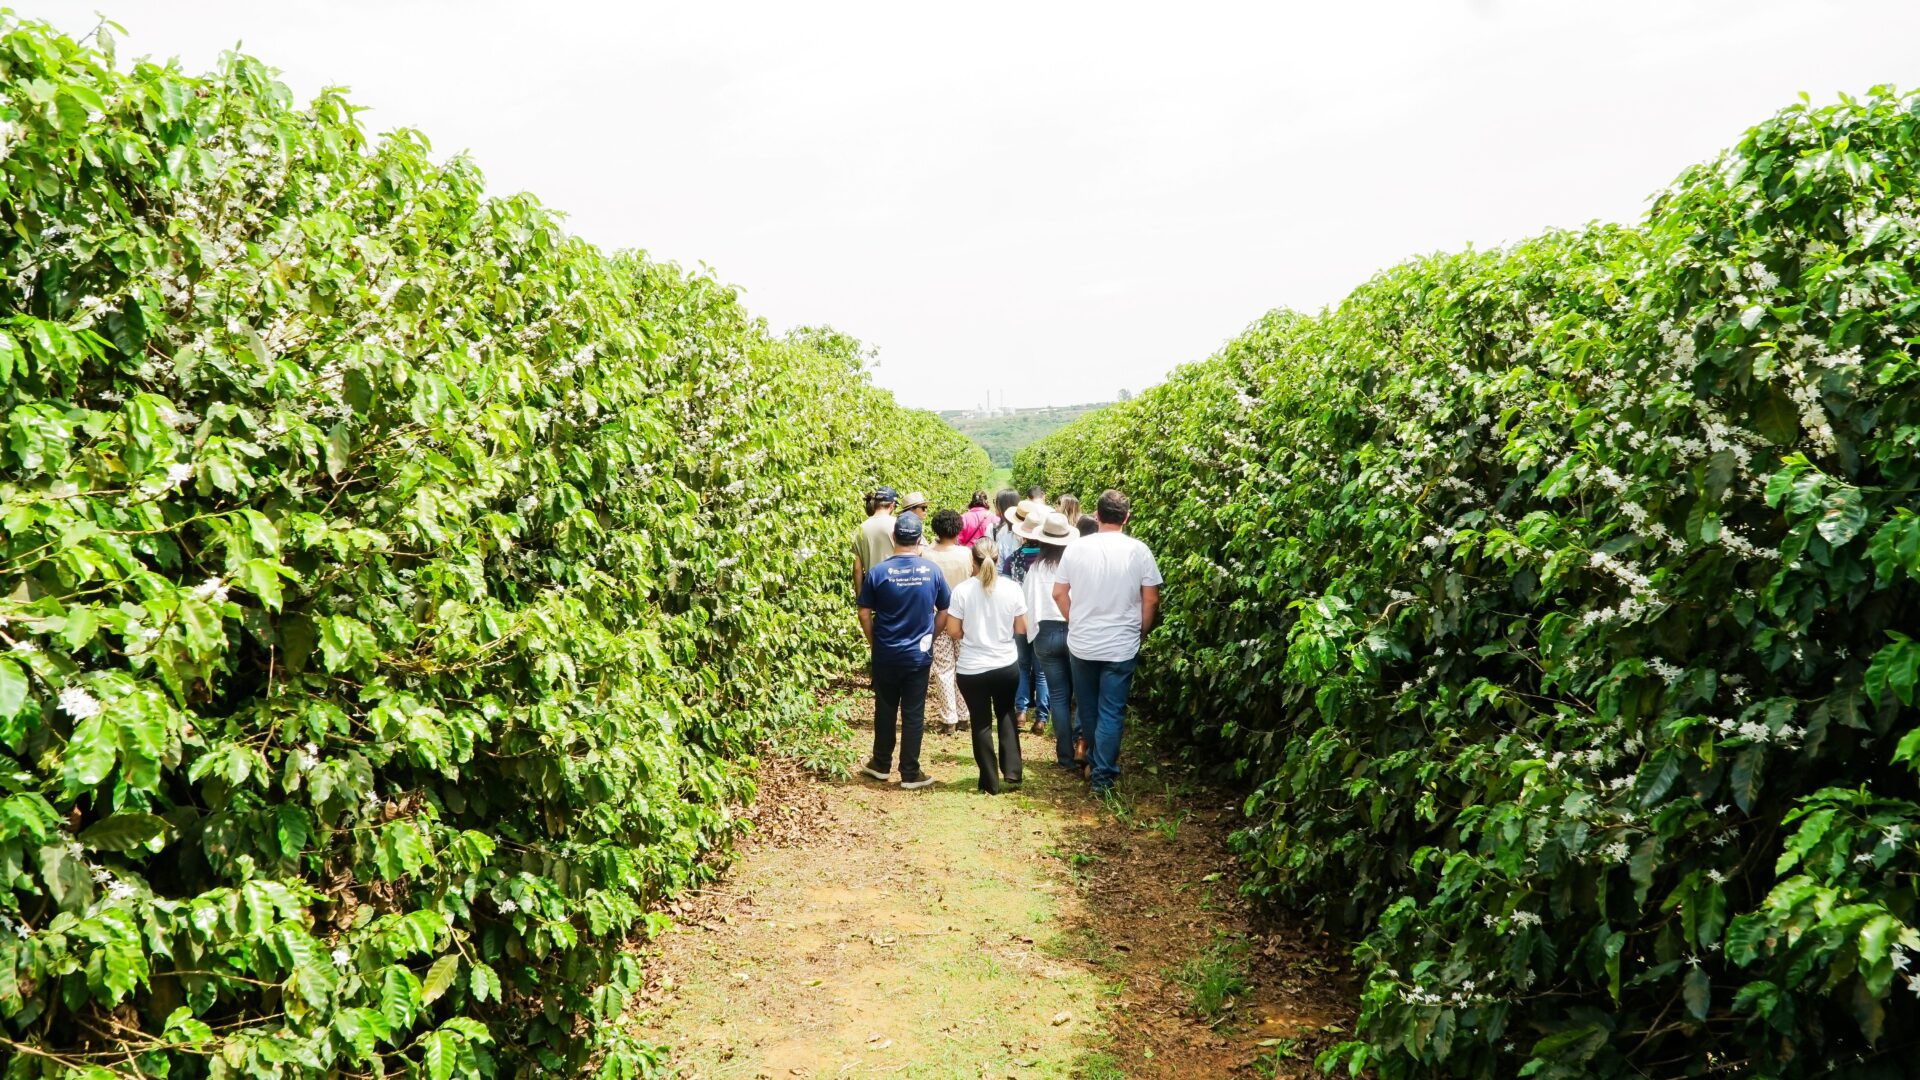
(943, 933)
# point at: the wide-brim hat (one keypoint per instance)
(1024, 509)
(1049, 528)
(913, 499)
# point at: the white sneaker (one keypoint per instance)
(917, 780)
(876, 772)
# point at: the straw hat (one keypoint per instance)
(914, 499)
(1049, 528)
(1024, 509)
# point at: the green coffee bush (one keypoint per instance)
(1559, 600)
(395, 589)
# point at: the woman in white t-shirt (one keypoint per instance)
(984, 617)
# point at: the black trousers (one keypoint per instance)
(989, 698)
(899, 696)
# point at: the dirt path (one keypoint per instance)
(942, 933)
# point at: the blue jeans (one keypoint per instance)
(1024, 694)
(1056, 676)
(1103, 685)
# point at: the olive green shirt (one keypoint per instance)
(874, 540)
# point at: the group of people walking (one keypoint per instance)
(1015, 610)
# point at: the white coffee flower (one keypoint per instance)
(214, 589)
(341, 957)
(79, 704)
(179, 473)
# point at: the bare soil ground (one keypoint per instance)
(871, 931)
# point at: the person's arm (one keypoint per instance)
(1020, 625)
(950, 626)
(866, 624)
(1060, 600)
(1149, 607)
(859, 574)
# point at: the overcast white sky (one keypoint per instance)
(1054, 200)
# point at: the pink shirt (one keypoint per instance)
(974, 524)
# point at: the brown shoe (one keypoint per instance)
(1079, 751)
(1038, 727)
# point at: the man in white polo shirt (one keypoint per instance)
(1108, 590)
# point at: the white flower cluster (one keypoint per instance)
(173, 417)
(1626, 610)
(1519, 920)
(178, 473)
(1630, 575)
(1756, 732)
(77, 703)
(213, 589)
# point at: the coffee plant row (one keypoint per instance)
(394, 592)
(1561, 602)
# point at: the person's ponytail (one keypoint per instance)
(986, 563)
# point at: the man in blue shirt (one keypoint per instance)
(903, 604)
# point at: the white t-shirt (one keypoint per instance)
(1104, 574)
(987, 644)
(1039, 589)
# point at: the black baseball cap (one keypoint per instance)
(906, 529)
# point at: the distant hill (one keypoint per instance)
(1007, 432)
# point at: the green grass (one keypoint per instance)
(1215, 979)
(1098, 1065)
(1267, 1066)
(1169, 827)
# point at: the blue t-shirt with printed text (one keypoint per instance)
(904, 592)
